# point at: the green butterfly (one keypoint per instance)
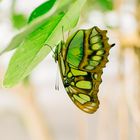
(81, 61)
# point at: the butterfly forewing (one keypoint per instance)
(88, 49)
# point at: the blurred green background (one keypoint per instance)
(36, 111)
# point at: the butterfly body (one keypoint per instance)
(81, 60)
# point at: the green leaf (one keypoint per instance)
(41, 10)
(64, 4)
(18, 20)
(19, 38)
(106, 5)
(32, 51)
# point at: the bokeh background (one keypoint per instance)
(34, 110)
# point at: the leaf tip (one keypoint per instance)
(7, 83)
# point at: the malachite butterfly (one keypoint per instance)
(81, 60)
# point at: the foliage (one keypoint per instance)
(41, 10)
(106, 4)
(18, 20)
(30, 42)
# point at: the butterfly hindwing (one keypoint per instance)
(81, 86)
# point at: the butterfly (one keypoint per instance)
(81, 60)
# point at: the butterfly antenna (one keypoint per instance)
(69, 33)
(63, 33)
(50, 48)
(57, 79)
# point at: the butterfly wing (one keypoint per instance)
(81, 61)
(81, 86)
(88, 50)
